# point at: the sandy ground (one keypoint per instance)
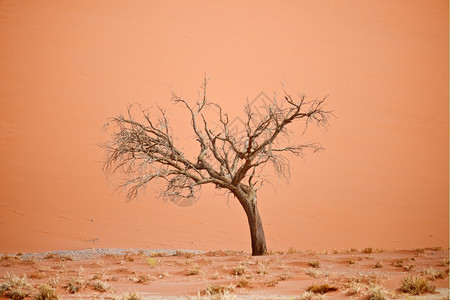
(109, 273)
(382, 181)
(67, 66)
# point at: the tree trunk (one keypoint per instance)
(254, 221)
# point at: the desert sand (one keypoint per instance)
(292, 274)
(381, 182)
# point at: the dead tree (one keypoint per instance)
(145, 150)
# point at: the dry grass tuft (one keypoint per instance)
(321, 288)
(262, 269)
(355, 288)
(66, 258)
(29, 261)
(46, 292)
(17, 294)
(38, 275)
(15, 287)
(285, 275)
(435, 274)
(129, 257)
(240, 270)
(131, 296)
(378, 265)
(195, 270)
(377, 293)
(100, 286)
(315, 273)
(50, 255)
(158, 254)
(416, 286)
(186, 254)
(292, 250)
(151, 262)
(271, 281)
(409, 267)
(314, 264)
(145, 278)
(445, 262)
(74, 285)
(244, 282)
(218, 289)
(307, 296)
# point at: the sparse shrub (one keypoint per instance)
(351, 261)
(445, 262)
(29, 261)
(307, 296)
(15, 287)
(74, 285)
(291, 250)
(145, 278)
(17, 293)
(128, 257)
(271, 282)
(416, 286)
(244, 282)
(435, 274)
(285, 275)
(368, 250)
(321, 288)
(54, 281)
(66, 258)
(240, 270)
(314, 273)
(262, 269)
(218, 289)
(186, 254)
(355, 288)
(38, 275)
(158, 254)
(377, 294)
(436, 248)
(131, 296)
(353, 250)
(215, 276)
(314, 264)
(378, 265)
(100, 286)
(419, 251)
(50, 255)
(409, 267)
(46, 292)
(195, 270)
(151, 262)
(98, 275)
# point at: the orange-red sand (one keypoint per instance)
(382, 180)
(355, 274)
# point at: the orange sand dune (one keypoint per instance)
(66, 67)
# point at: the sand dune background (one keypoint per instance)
(66, 66)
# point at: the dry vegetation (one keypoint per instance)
(224, 274)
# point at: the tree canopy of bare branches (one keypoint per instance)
(143, 149)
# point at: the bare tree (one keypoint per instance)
(145, 150)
